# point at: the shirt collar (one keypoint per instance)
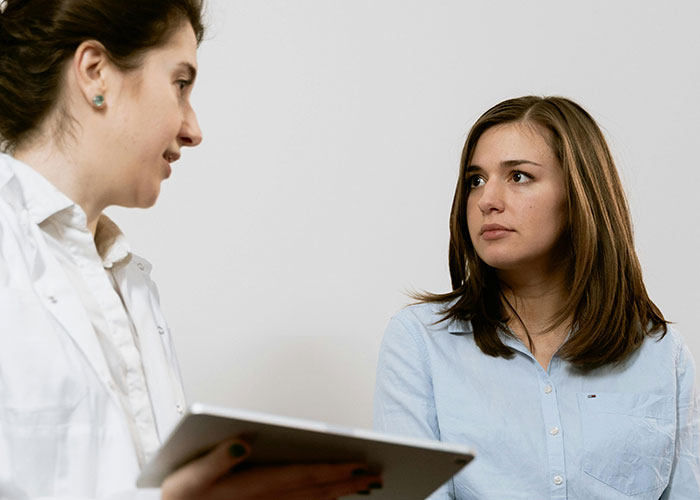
(111, 243)
(462, 327)
(44, 201)
(459, 326)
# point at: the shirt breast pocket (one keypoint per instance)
(628, 439)
(42, 376)
(44, 403)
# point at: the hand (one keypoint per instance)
(212, 478)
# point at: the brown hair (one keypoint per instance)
(38, 37)
(607, 299)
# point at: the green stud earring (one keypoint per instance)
(98, 101)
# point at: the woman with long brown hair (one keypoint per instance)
(547, 356)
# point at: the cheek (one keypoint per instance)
(473, 210)
(551, 219)
(473, 214)
(162, 120)
(156, 135)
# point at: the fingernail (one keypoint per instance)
(375, 486)
(359, 472)
(364, 492)
(237, 450)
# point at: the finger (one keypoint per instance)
(298, 475)
(361, 485)
(219, 461)
(317, 481)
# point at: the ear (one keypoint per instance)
(91, 68)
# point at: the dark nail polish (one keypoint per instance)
(237, 450)
(364, 492)
(359, 472)
(375, 486)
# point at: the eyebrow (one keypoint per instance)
(190, 69)
(506, 164)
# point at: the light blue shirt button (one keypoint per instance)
(554, 431)
(547, 389)
(558, 480)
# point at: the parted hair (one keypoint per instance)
(607, 299)
(38, 37)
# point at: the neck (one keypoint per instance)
(538, 300)
(70, 174)
(536, 297)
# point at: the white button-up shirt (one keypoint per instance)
(89, 383)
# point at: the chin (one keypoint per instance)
(150, 202)
(148, 199)
(501, 265)
(499, 260)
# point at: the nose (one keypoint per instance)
(190, 133)
(491, 198)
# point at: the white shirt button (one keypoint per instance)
(52, 299)
(547, 389)
(161, 330)
(554, 431)
(558, 480)
(179, 409)
(140, 266)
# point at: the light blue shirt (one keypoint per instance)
(621, 432)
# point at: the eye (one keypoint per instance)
(182, 85)
(475, 181)
(520, 177)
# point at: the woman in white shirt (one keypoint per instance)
(547, 356)
(94, 109)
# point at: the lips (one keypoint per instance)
(493, 227)
(494, 231)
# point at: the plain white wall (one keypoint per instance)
(283, 244)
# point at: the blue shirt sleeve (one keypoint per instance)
(685, 474)
(403, 400)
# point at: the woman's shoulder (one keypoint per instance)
(430, 317)
(663, 350)
(6, 174)
(670, 340)
(12, 198)
(676, 343)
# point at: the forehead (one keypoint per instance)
(181, 47)
(510, 140)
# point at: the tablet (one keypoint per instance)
(411, 468)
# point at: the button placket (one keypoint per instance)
(554, 438)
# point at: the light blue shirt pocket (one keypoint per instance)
(628, 439)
